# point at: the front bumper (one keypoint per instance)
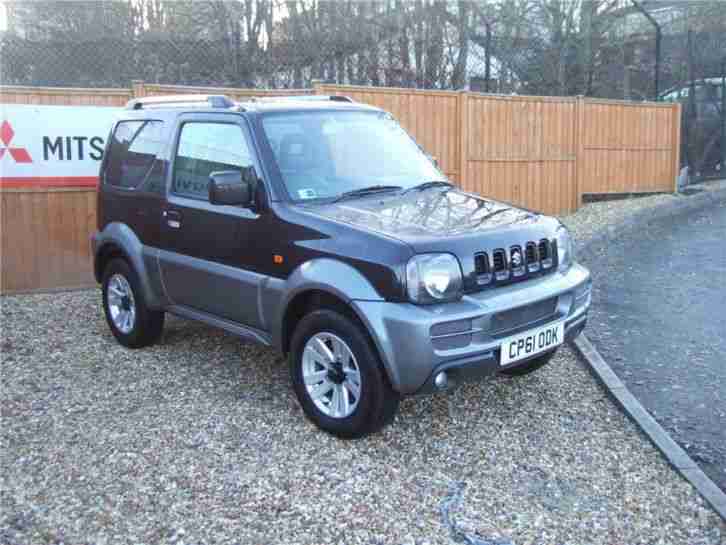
(463, 338)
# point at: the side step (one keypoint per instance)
(245, 332)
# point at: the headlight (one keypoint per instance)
(565, 248)
(433, 278)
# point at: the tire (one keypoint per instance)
(377, 402)
(530, 366)
(143, 326)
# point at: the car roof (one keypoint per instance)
(177, 104)
(292, 105)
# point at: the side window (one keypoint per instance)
(132, 153)
(205, 148)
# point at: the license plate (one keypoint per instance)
(532, 342)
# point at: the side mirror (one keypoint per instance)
(230, 188)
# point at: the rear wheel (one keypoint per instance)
(338, 378)
(529, 366)
(132, 323)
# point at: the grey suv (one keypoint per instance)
(317, 226)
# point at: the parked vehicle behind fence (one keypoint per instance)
(702, 119)
(317, 226)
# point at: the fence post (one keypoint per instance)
(676, 143)
(138, 89)
(463, 138)
(579, 150)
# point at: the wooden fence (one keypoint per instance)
(46, 238)
(540, 152)
(141, 89)
(628, 147)
(64, 96)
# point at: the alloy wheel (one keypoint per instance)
(121, 304)
(331, 375)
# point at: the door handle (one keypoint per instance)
(173, 218)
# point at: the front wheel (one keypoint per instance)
(338, 378)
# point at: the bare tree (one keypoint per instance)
(555, 47)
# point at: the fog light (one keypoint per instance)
(441, 380)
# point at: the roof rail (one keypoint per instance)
(214, 101)
(305, 98)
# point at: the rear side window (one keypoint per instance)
(205, 148)
(132, 151)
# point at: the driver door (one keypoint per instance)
(206, 250)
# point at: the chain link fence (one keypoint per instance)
(619, 49)
(702, 94)
(247, 43)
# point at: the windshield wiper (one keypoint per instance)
(426, 185)
(366, 190)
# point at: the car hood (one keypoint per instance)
(425, 217)
(443, 220)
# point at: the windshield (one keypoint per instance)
(324, 154)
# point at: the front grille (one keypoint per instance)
(521, 316)
(515, 263)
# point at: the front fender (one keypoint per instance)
(142, 258)
(324, 274)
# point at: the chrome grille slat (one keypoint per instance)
(532, 257)
(482, 268)
(516, 258)
(545, 253)
(500, 266)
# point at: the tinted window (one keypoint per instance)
(205, 148)
(132, 153)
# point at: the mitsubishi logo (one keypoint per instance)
(19, 155)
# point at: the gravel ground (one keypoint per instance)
(200, 440)
(594, 217)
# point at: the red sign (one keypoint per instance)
(19, 155)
